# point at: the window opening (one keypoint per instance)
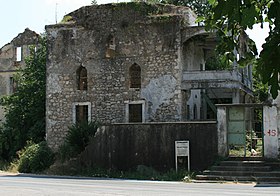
(135, 113)
(12, 85)
(18, 54)
(81, 113)
(82, 78)
(111, 47)
(135, 76)
(112, 43)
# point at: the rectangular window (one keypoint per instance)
(81, 112)
(135, 112)
(18, 54)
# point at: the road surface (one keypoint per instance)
(24, 185)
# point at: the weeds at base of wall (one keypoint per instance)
(142, 172)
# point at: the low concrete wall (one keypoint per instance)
(124, 146)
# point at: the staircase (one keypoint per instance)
(249, 169)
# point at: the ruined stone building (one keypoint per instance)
(12, 57)
(134, 62)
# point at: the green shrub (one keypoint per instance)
(77, 139)
(35, 158)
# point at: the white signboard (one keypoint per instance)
(182, 149)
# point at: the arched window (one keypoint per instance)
(82, 78)
(135, 76)
(111, 42)
(111, 47)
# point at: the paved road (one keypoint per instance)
(22, 185)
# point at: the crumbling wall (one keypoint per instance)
(8, 53)
(107, 40)
(9, 65)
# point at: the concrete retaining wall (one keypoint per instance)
(124, 146)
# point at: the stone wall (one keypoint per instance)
(124, 146)
(107, 40)
(8, 53)
(10, 65)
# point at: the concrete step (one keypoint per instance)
(241, 168)
(245, 159)
(243, 173)
(238, 178)
(248, 169)
(242, 163)
(275, 165)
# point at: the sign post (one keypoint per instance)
(182, 149)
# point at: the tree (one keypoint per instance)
(231, 17)
(200, 7)
(25, 109)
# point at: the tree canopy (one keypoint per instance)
(200, 7)
(231, 17)
(25, 109)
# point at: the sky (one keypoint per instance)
(16, 15)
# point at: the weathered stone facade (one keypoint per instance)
(146, 35)
(115, 45)
(12, 57)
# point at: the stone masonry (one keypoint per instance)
(142, 34)
(98, 53)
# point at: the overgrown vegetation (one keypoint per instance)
(261, 92)
(66, 19)
(232, 18)
(217, 62)
(22, 135)
(94, 2)
(25, 109)
(77, 139)
(200, 7)
(34, 158)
